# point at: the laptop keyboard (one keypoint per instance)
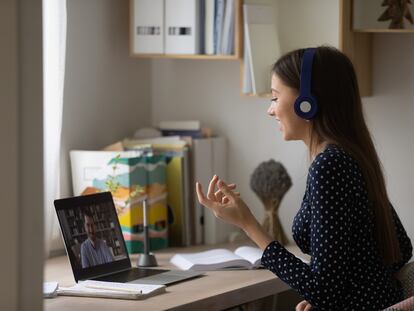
(129, 275)
(170, 277)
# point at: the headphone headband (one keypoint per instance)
(306, 104)
(306, 72)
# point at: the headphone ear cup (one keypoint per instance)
(306, 107)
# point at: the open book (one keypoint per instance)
(111, 290)
(244, 257)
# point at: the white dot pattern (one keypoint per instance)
(335, 227)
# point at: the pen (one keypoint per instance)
(117, 289)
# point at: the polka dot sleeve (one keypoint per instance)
(330, 223)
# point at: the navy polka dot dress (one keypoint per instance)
(334, 226)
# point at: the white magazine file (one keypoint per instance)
(209, 158)
(148, 26)
(182, 26)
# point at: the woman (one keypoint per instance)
(345, 223)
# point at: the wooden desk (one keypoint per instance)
(216, 290)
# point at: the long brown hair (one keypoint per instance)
(340, 120)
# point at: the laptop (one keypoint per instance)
(96, 247)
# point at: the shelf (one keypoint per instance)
(264, 95)
(238, 41)
(384, 30)
(103, 219)
(365, 16)
(188, 56)
(97, 231)
(333, 28)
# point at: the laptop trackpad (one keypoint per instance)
(167, 278)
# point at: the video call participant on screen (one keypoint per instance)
(94, 251)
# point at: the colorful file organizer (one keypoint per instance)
(130, 176)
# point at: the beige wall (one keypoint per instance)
(390, 114)
(21, 132)
(209, 91)
(107, 92)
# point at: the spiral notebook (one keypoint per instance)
(111, 290)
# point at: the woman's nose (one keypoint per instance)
(270, 110)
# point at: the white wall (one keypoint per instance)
(209, 91)
(106, 94)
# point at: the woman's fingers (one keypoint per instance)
(225, 189)
(204, 200)
(308, 307)
(301, 306)
(219, 194)
(211, 188)
(200, 195)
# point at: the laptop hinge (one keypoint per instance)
(107, 274)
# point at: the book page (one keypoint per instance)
(254, 255)
(209, 260)
(251, 254)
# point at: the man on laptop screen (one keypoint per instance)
(94, 250)
(96, 246)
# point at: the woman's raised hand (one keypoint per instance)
(225, 203)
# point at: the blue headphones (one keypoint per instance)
(306, 105)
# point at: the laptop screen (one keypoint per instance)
(92, 235)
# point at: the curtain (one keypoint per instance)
(54, 52)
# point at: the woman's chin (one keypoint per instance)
(286, 137)
(291, 138)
